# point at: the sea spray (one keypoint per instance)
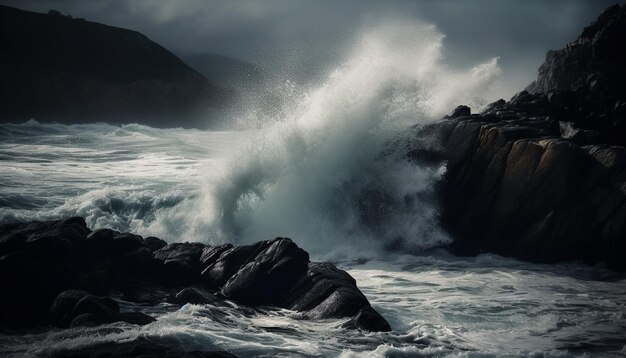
(331, 171)
(325, 175)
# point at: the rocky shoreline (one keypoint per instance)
(542, 177)
(62, 274)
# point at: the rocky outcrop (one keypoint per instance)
(595, 59)
(542, 177)
(584, 81)
(62, 273)
(58, 68)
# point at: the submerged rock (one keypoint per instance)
(74, 308)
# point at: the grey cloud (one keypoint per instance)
(303, 38)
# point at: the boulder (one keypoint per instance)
(266, 277)
(62, 271)
(180, 262)
(73, 304)
(110, 242)
(73, 308)
(328, 292)
(196, 295)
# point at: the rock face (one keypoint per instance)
(596, 59)
(63, 273)
(542, 177)
(54, 67)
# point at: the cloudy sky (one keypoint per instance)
(304, 38)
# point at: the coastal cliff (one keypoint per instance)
(542, 177)
(58, 68)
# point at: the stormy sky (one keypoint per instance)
(303, 39)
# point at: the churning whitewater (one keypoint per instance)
(332, 174)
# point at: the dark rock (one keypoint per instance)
(103, 307)
(327, 292)
(74, 308)
(195, 295)
(53, 270)
(60, 312)
(137, 318)
(180, 262)
(598, 52)
(460, 111)
(71, 304)
(137, 262)
(514, 191)
(140, 347)
(57, 235)
(541, 177)
(265, 278)
(88, 320)
(154, 243)
(38, 261)
(111, 242)
(149, 293)
(221, 268)
(210, 254)
(369, 320)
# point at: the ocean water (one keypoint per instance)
(332, 174)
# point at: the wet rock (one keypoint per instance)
(369, 320)
(154, 243)
(61, 272)
(60, 312)
(111, 242)
(266, 277)
(38, 261)
(460, 111)
(541, 177)
(73, 308)
(140, 347)
(138, 318)
(180, 262)
(222, 267)
(328, 292)
(58, 236)
(195, 295)
(88, 320)
(149, 293)
(72, 304)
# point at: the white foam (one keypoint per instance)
(319, 175)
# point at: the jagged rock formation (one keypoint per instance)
(61, 272)
(596, 59)
(542, 177)
(55, 67)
